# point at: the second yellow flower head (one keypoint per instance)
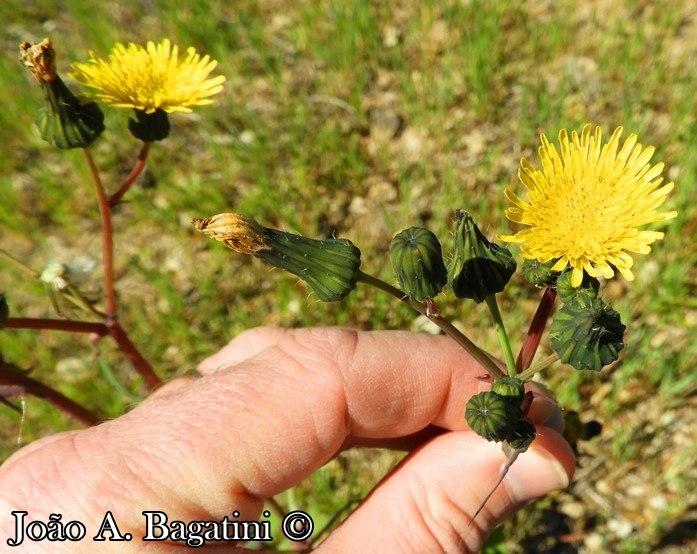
(151, 78)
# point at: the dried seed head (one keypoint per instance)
(329, 266)
(238, 232)
(64, 121)
(40, 59)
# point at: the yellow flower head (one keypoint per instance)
(151, 78)
(585, 206)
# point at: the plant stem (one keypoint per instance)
(35, 388)
(141, 365)
(107, 238)
(537, 326)
(501, 332)
(132, 176)
(502, 474)
(538, 366)
(57, 325)
(448, 328)
(112, 329)
(20, 264)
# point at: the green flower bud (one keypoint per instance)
(149, 127)
(491, 415)
(478, 268)
(585, 293)
(417, 259)
(330, 266)
(539, 274)
(587, 335)
(522, 435)
(64, 122)
(511, 387)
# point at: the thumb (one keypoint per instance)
(426, 504)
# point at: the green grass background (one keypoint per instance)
(359, 119)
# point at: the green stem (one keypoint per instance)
(18, 263)
(501, 331)
(538, 366)
(448, 328)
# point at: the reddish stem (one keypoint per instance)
(132, 176)
(537, 327)
(110, 327)
(107, 238)
(129, 350)
(57, 325)
(35, 388)
(113, 329)
(141, 365)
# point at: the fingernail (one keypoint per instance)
(545, 411)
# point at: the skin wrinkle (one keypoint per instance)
(448, 517)
(353, 361)
(440, 529)
(418, 519)
(255, 341)
(329, 358)
(479, 489)
(345, 356)
(107, 490)
(256, 476)
(436, 461)
(187, 473)
(194, 480)
(186, 428)
(446, 399)
(157, 455)
(53, 468)
(408, 513)
(385, 409)
(436, 414)
(97, 487)
(295, 353)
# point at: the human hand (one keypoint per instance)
(271, 408)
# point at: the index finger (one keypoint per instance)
(250, 430)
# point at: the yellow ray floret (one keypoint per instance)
(585, 206)
(151, 78)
